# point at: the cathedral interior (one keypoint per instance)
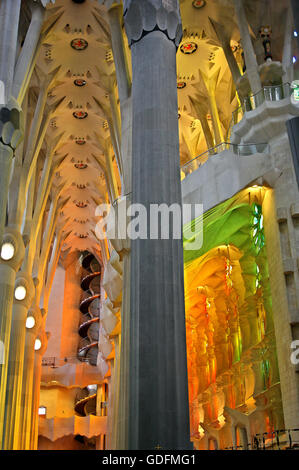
(112, 343)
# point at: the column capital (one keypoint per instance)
(11, 124)
(145, 16)
(45, 2)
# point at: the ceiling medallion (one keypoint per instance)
(80, 82)
(82, 205)
(181, 85)
(80, 141)
(81, 235)
(80, 114)
(199, 3)
(188, 47)
(79, 44)
(81, 166)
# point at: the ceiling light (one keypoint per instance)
(20, 293)
(37, 344)
(42, 410)
(30, 322)
(7, 251)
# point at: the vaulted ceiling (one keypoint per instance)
(78, 50)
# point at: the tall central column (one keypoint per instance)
(158, 390)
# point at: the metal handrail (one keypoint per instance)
(238, 149)
(55, 362)
(267, 93)
(259, 440)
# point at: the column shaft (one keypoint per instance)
(9, 23)
(158, 402)
(250, 57)
(7, 276)
(25, 63)
(12, 425)
(6, 156)
(27, 386)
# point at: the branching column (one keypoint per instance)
(121, 412)
(250, 57)
(158, 401)
(9, 23)
(25, 63)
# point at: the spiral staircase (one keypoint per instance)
(90, 309)
(86, 402)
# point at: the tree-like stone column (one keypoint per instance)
(158, 396)
(9, 23)
(250, 57)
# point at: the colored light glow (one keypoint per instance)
(37, 344)
(295, 34)
(7, 251)
(230, 226)
(20, 292)
(30, 322)
(294, 59)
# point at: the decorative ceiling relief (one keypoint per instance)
(79, 44)
(181, 85)
(81, 165)
(81, 204)
(80, 114)
(80, 141)
(188, 47)
(198, 3)
(80, 82)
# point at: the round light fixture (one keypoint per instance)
(20, 292)
(7, 251)
(37, 344)
(30, 322)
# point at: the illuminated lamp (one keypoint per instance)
(42, 410)
(20, 292)
(37, 344)
(7, 251)
(30, 322)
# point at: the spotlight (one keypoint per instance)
(37, 344)
(30, 322)
(7, 251)
(20, 293)
(295, 34)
